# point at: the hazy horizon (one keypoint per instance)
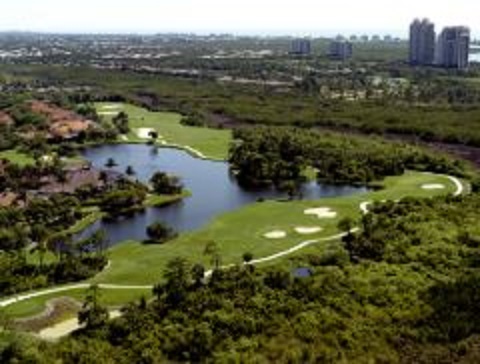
(248, 17)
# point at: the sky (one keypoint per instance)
(295, 17)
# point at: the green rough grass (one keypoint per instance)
(213, 143)
(16, 157)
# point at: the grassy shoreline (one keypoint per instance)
(205, 143)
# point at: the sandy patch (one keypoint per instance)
(144, 133)
(67, 327)
(364, 207)
(108, 113)
(303, 230)
(433, 186)
(124, 138)
(322, 212)
(47, 158)
(276, 234)
(111, 107)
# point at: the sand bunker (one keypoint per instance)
(277, 234)
(111, 107)
(67, 327)
(433, 186)
(108, 113)
(322, 212)
(144, 132)
(303, 230)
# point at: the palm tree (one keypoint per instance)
(198, 274)
(111, 163)
(93, 314)
(103, 177)
(247, 258)
(130, 171)
(154, 135)
(212, 250)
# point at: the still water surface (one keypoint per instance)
(214, 190)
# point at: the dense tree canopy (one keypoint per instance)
(415, 300)
(276, 155)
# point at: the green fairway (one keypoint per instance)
(211, 143)
(241, 231)
(112, 298)
(17, 157)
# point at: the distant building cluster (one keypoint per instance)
(449, 50)
(301, 47)
(341, 50)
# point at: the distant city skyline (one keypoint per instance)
(249, 17)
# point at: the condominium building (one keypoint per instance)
(453, 47)
(301, 47)
(341, 50)
(422, 42)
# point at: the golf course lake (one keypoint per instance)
(214, 190)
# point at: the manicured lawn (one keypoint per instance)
(213, 143)
(237, 232)
(16, 157)
(243, 231)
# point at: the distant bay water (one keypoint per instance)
(475, 53)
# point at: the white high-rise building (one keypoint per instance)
(453, 47)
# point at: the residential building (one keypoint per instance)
(453, 47)
(301, 47)
(422, 42)
(341, 50)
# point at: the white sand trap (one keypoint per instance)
(277, 234)
(433, 186)
(67, 327)
(144, 133)
(124, 138)
(303, 230)
(322, 212)
(108, 113)
(364, 207)
(111, 107)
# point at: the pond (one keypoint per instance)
(214, 189)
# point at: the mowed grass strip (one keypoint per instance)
(213, 143)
